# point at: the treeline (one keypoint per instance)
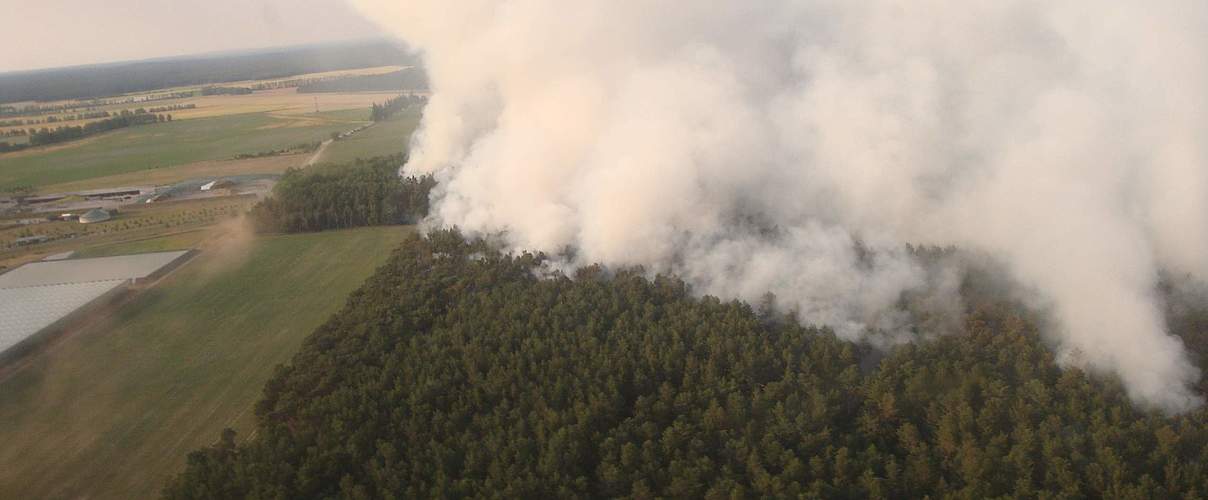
(121, 78)
(92, 115)
(337, 196)
(406, 79)
(63, 134)
(302, 147)
(382, 112)
(456, 371)
(174, 107)
(83, 109)
(226, 91)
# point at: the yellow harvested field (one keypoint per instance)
(170, 175)
(380, 70)
(280, 101)
(283, 101)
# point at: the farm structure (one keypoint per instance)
(43, 298)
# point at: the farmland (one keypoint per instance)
(109, 408)
(168, 144)
(383, 139)
(109, 411)
(282, 100)
(132, 224)
(178, 173)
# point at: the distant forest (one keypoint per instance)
(407, 79)
(120, 78)
(457, 371)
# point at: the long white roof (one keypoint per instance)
(87, 270)
(26, 311)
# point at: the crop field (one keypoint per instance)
(286, 100)
(198, 170)
(111, 410)
(168, 144)
(281, 101)
(384, 138)
(183, 240)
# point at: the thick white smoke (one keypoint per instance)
(1065, 137)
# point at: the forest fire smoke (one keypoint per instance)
(796, 146)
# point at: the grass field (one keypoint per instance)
(285, 100)
(133, 222)
(110, 412)
(198, 170)
(281, 101)
(183, 240)
(168, 144)
(385, 138)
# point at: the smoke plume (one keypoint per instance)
(796, 146)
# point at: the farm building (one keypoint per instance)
(41, 298)
(95, 215)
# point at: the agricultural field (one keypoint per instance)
(284, 100)
(111, 410)
(179, 173)
(384, 138)
(162, 145)
(281, 102)
(130, 224)
(183, 240)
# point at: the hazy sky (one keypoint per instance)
(52, 33)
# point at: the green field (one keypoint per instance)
(180, 241)
(385, 138)
(166, 144)
(111, 411)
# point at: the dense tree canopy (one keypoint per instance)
(457, 371)
(335, 196)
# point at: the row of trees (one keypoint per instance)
(362, 193)
(46, 136)
(456, 371)
(226, 91)
(91, 115)
(382, 112)
(302, 147)
(174, 107)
